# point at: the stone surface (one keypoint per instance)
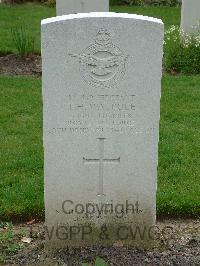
(101, 93)
(65, 7)
(190, 16)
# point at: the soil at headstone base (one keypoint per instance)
(18, 65)
(178, 244)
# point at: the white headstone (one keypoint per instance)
(101, 92)
(65, 7)
(190, 16)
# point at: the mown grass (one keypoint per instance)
(30, 15)
(21, 166)
(169, 15)
(21, 154)
(179, 149)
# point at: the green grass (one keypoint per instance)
(98, 262)
(179, 150)
(21, 167)
(31, 15)
(26, 14)
(21, 154)
(169, 15)
(10, 242)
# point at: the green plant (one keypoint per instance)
(24, 233)
(20, 1)
(146, 2)
(98, 262)
(9, 241)
(50, 3)
(182, 51)
(22, 40)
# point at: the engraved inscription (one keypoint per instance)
(102, 64)
(98, 113)
(101, 162)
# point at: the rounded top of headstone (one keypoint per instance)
(100, 15)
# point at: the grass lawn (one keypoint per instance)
(169, 15)
(31, 15)
(21, 167)
(179, 149)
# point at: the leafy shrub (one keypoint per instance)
(146, 2)
(51, 3)
(23, 42)
(182, 51)
(20, 1)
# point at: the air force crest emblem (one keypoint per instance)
(102, 64)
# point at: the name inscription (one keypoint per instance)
(98, 113)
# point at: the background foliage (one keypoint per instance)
(146, 2)
(181, 54)
(112, 2)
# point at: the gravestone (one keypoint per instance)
(64, 7)
(190, 16)
(101, 94)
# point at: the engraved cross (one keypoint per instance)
(101, 162)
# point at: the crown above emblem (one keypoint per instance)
(103, 37)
